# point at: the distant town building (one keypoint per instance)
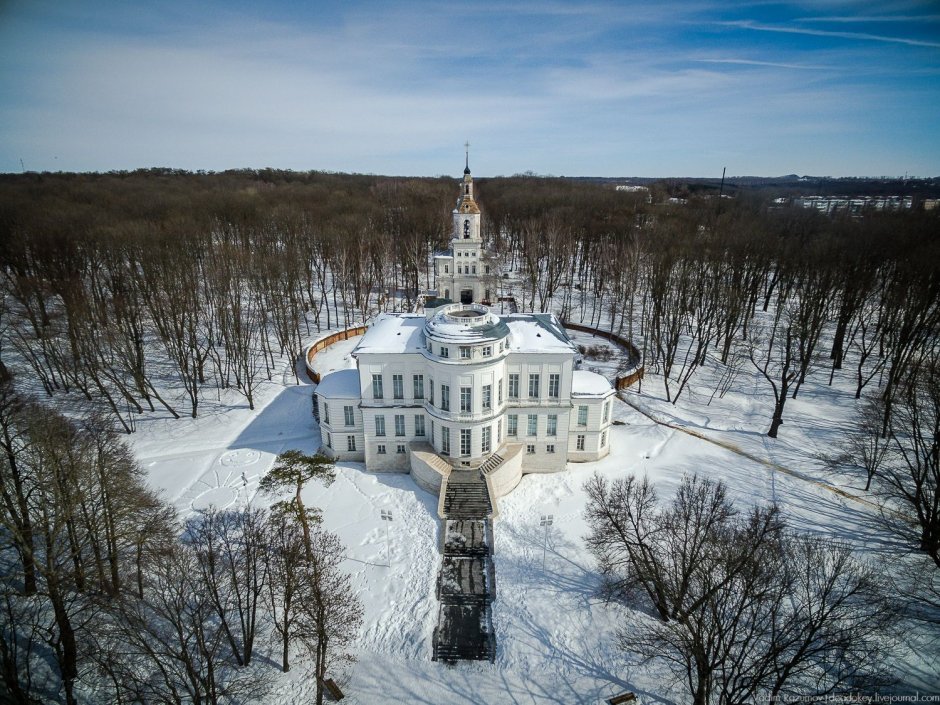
(854, 206)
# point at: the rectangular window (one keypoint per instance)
(487, 396)
(550, 448)
(533, 425)
(350, 443)
(499, 391)
(530, 449)
(445, 440)
(533, 386)
(603, 439)
(474, 269)
(464, 352)
(400, 448)
(379, 425)
(445, 352)
(459, 269)
(349, 416)
(580, 445)
(418, 381)
(554, 383)
(398, 387)
(487, 438)
(381, 449)
(329, 440)
(499, 431)
(399, 424)
(465, 441)
(445, 397)
(513, 386)
(376, 386)
(552, 425)
(431, 391)
(465, 403)
(606, 412)
(326, 412)
(432, 432)
(487, 351)
(582, 416)
(512, 425)
(446, 269)
(419, 425)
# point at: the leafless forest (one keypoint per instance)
(133, 292)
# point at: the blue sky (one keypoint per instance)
(828, 87)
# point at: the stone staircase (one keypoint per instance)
(466, 583)
(466, 496)
(493, 462)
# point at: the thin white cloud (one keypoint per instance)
(748, 24)
(771, 64)
(859, 19)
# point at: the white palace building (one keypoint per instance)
(460, 387)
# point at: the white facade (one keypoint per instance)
(459, 386)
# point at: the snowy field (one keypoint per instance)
(555, 635)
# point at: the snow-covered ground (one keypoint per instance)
(556, 639)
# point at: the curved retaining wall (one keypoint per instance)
(504, 479)
(427, 469)
(325, 342)
(635, 374)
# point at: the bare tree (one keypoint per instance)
(331, 612)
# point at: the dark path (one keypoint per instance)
(466, 583)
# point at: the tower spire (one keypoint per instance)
(466, 169)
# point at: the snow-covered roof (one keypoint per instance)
(342, 384)
(393, 333)
(589, 384)
(537, 332)
(465, 323)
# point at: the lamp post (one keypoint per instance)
(546, 521)
(387, 518)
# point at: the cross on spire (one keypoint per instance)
(466, 169)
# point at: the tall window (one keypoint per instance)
(512, 425)
(326, 412)
(533, 386)
(376, 386)
(419, 425)
(552, 429)
(487, 396)
(487, 439)
(465, 441)
(554, 382)
(580, 445)
(499, 430)
(445, 397)
(399, 424)
(379, 425)
(499, 391)
(348, 416)
(582, 416)
(465, 404)
(329, 440)
(418, 386)
(606, 412)
(431, 391)
(350, 443)
(464, 352)
(445, 440)
(533, 425)
(398, 387)
(513, 386)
